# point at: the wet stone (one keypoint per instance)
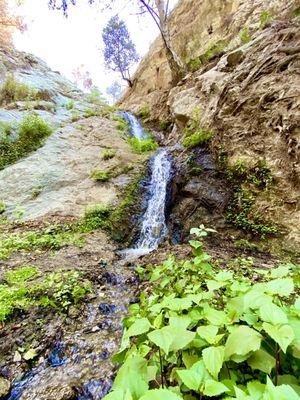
(107, 308)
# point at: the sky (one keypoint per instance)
(67, 43)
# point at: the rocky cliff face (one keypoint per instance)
(244, 86)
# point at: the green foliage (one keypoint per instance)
(100, 176)
(91, 112)
(244, 244)
(52, 238)
(296, 12)
(214, 50)
(23, 289)
(141, 146)
(108, 154)
(75, 116)
(122, 124)
(244, 35)
(202, 332)
(2, 207)
(239, 213)
(12, 91)
(96, 97)
(144, 113)
(264, 18)
(6, 129)
(31, 133)
(196, 139)
(70, 105)
(96, 217)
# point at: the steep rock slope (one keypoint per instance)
(247, 94)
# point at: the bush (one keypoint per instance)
(142, 145)
(209, 332)
(22, 290)
(12, 90)
(108, 154)
(100, 176)
(245, 35)
(197, 138)
(31, 133)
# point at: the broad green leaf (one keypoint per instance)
(213, 358)
(139, 327)
(282, 287)
(181, 322)
(240, 286)
(213, 388)
(262, 360)
(280, 272)
(297, 304)
(189, 359)
(269, 312)
(179, 304)
(208, 332)
(181, 339)
(191, 379)
(30, 354)
(132, 376)
(214, 285)
(115, 395)
(256, 298)
(281, 334)
(241, 341)
(163, 338)
(215, 317)
(256, 390)
(195, 243)
(224, 276)
(160, 394)
(282, 392)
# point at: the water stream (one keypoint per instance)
(81, 357)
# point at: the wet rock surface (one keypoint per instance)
(75, 349)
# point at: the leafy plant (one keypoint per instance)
(244, 35)
(264, 18)
(96, 217)
(108, 154)
(23, 289)
(51, 238)
(202, 332)
(31, 133)
(70, 105)
(141, 146)
(196, 139)
(100, 176)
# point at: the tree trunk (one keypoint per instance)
(176, 65)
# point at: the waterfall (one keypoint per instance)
(154, 227)
(136, 128)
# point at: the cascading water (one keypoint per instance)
(136, 128)
(154, 227)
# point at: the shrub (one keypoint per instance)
(100, 176)
(12, 90)
(31, 133)
(70, 105)
(22, 290)
(142, 145)
(108, 154)
(197, 138)
(245, 35)
(206, 332)
(264, 18)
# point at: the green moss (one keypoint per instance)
(96, 217)
(196, 139)
(296, 12)
(141, 146)
(244, 35)
(244, 244)
(75, 116)
(2, 207)
(23, 289)
(31, 133)
(108, 154)
(52, 238)
(100, 176)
